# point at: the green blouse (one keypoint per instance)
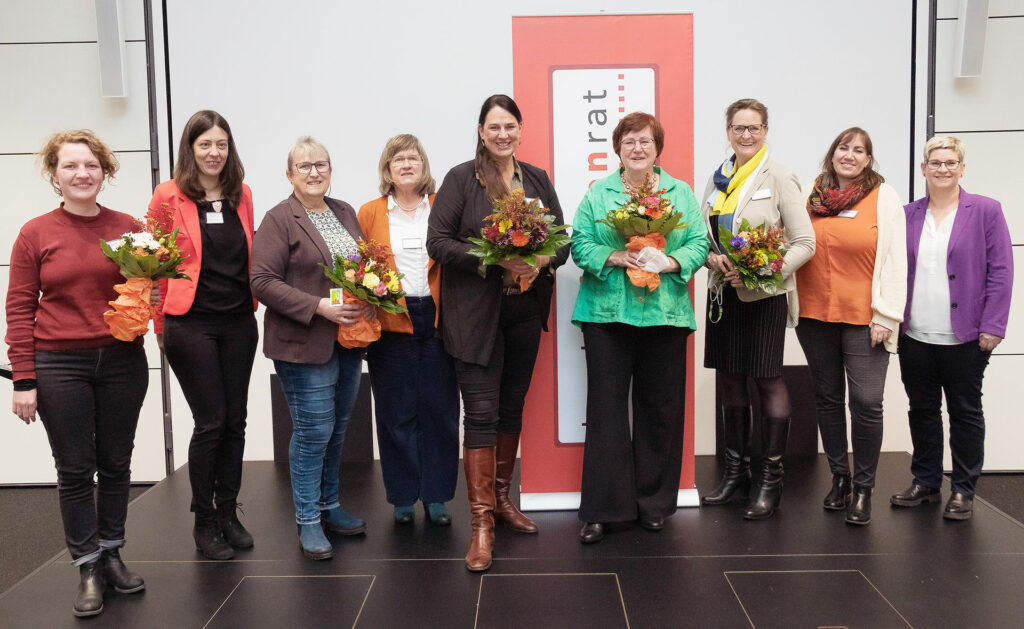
(606, 294)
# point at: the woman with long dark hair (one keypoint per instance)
(488, 323)
(206, 325)
(852, 294)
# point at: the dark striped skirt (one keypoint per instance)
(749, 338)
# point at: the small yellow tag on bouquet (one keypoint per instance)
(336, 296)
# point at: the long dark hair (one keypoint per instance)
(186, 173)
(869, 179)
(486, 169)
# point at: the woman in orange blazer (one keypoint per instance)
(206, 326)
(413, 379)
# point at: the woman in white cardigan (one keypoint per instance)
(852, 295)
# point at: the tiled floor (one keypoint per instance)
(708, 568)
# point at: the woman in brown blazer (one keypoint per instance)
(320, 378)
(414, 390)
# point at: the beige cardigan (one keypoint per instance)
(889, 280)
(778, 203)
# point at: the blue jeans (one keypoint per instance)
(89, 401)
(320, 399)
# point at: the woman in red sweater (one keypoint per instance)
(206, 326)
(86, 385)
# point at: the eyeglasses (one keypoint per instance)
(644, 143)
(936, 164)
(321, 167)
(411, 160)
(752, 129)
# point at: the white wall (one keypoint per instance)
(50, 73)
(382, 69)
(985, 113)
(352, 75)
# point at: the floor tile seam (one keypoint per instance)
(567, 557)
(999, 511)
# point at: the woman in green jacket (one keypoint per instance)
(634, 335)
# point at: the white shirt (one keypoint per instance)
(409, 244)
(930, 320)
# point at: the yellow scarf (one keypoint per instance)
(726, 202)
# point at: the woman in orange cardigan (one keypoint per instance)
(206, 326)
(413, 379)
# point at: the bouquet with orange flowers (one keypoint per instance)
(366, 276)
(144, 256)
(646, 220)
(518, 228)
(757, 254)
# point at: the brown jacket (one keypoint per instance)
(373, 218)
(288, 278)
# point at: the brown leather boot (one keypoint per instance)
(479, 465)
(504, 509)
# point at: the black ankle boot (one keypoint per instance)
(209, 540)
(232, 530)
(774, 434)
(736, 479)
(89, 601)
(117, 575)
(859, 512)
(839, 496)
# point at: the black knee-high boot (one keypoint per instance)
(736, 430)
(774, 433)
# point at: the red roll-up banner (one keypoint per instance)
(575, 77)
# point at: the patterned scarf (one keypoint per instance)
(832, 201)
(729, 180)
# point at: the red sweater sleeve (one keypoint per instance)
(22, 302)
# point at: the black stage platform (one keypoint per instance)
(708, 568)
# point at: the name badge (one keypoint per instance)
(537, 199)
(412, 243)
(848, 213)
(763, 193)
(214, 218)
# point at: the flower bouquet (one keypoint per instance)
(757, 254)
(368, 277)
(144, 256)
(645, 221)
(518, 229)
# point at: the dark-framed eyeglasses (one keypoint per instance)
(752, 129)
(321, 167)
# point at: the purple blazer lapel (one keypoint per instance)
(915, 225)
(963, 217)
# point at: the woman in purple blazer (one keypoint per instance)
(960, 275)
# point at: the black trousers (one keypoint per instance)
(839, 354)
(212, 356)
(629, 474)
(417, 403)
(493, 395)
(928, 371)
(89, 402)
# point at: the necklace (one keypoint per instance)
(407, 210)
(630, 187)
(217, 205)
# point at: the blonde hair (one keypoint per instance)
(944, 142)
(308, 144)
(104, 155)
(394, 146)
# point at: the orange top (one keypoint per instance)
(835, 285)
(373, 219)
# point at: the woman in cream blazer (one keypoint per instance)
(854, 290)
(747, 340)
